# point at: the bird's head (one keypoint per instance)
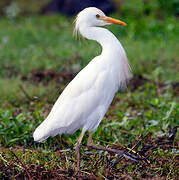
(92, 17)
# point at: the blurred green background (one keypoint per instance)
(30, 41)
(39, 56)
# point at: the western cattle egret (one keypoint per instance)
(85, 100)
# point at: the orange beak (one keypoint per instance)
(112, 20)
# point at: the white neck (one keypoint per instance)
(112, 50)
(103, 36)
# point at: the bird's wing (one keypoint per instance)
(89, 90)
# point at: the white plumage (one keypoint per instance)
(85, 100)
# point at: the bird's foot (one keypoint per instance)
(127, 156)
(119, 152)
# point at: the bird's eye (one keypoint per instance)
(97, 16)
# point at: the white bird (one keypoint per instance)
(86, 99)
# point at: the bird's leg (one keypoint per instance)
(91, 145)
(119, 152)
(78, 146)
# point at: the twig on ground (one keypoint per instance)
(3, 159)
(24, 167)
(8, 162)
(25, 93)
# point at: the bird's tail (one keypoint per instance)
(45, 130)
(41, 133)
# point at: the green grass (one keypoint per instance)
(142, 109)
(37, 44)
(47, 42)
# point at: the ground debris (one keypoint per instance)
(150, 152)
(48, 75)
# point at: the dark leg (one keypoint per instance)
(91, 145)
(119, 152)
(78, 146)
